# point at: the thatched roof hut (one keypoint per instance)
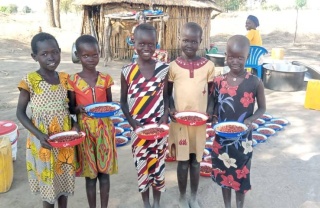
(112, 32)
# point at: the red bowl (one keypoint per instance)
(152, 136)
(71, 143)
(179, 119)
(206, 165)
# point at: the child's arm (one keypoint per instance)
(124, 103)
(73, 107)
(171, 102)
(261, 101)
(73, 110)
(109, 95)
(210, 105)
(164, 118)
(23, 101)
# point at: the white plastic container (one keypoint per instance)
(10, 129)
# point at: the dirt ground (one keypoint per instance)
(285, 169)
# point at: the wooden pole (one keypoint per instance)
(161, 33)
(107, 37)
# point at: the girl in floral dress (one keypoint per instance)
(235, 96)
(50, 170)
(97, 155)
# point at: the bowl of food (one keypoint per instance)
(254, 126)
(118, 130)
(121, 141)
(116, 119)
(102, 110)
(259, 121)
(280, 121)
(191, 118)
(168, 158)
(208, 146)
(206, 153)
(254, 142)
(205, 169)
(127, 134)
(266, 117)
(152, 131)
(276, 127)
(210, 132)
(266, 131)
(125, 125)
(259, 138)
(230, 129)
(207, 159)
(66, 139)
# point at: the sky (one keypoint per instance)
(35, 5)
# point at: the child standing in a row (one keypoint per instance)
(191, 77)
(144, 100)
(235, 95)
(97, 155)
(50, 170)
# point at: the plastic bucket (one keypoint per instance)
(10, 129)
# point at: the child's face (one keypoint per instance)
(145, 44)
(190, 42)
(48, 55)
(88, 54)
(236, 58)
(250, 25)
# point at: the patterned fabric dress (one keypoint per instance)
(190, 83)
(50, 172)
(231, 158)
(97, 154)
(146, 105)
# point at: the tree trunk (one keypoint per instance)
(50, 14)
(295, 32)
(57, 12)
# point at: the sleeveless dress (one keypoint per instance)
(146, 105)
(97, 153)
(50, 172)
(231, 158)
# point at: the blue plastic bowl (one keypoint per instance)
(122, 144)
(118, 118)
(127, 134)
(261, 135)
(121, 130)
(230, 135)
(122, 123)
(103, 114)
(272, 131)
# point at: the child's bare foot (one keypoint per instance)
(156, 205)
(183, 202)
(193, 203)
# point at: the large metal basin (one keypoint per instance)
(284, 77)
(217, 59)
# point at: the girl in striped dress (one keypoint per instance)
(144, 100)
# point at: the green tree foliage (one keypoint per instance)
(299, 5)
(66, 5)
(11, 8)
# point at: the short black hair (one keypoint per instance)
(85, 39)
(39, 38)
(144, 27)
(194, 26)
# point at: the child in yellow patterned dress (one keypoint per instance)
(50, 170)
